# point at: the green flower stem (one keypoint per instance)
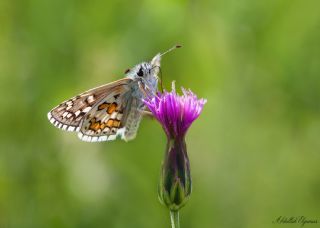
(174, 215)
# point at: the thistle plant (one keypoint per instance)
(175, 113)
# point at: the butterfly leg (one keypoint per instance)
(146, 113)
(145, 90)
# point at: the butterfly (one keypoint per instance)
(111, 110)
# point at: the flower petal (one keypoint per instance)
(175, 113)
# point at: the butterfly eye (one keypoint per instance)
(140, 72)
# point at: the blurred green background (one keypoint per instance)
(254, 151)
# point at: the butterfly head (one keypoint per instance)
(148, 71)
(145, 70)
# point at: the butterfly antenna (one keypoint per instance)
(160, 72)
(161, 82)
(171, 49)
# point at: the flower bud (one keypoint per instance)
(175, 180)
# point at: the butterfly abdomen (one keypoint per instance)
(133, 120)
(132, 126)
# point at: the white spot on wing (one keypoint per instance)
(106, 130)
(87, 109)
(119, 116)
(90, 99)
(102, 138)
(121, 131)
(113, 115)
(112, 137)
(94, 139)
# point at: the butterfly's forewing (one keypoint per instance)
(69, 114)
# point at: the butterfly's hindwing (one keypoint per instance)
(107, 119)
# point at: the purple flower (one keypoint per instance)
(175, 113)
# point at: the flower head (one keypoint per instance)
(175, 113)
